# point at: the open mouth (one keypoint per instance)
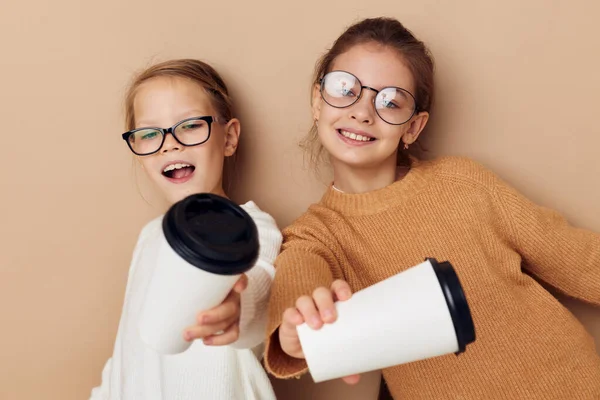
(354, 136)
(177, 171)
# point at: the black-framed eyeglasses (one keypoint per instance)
(189, 132)
(394, 105)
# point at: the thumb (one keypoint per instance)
(241, 284)
(351, 379)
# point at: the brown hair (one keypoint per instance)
(198, 72)
(387, 32)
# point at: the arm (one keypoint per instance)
(102, 392)
(565, 257)
(254, 300)
(239, 321)
(306, 263)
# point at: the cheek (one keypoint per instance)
(209, 155)
(147, 164)
(151, 168)
(329, 115)
(392, 133)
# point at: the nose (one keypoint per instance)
(363, 110)
(170, 144)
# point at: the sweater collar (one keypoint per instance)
(377, 200)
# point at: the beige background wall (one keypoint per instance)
(518, 88)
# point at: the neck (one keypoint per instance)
(359, 179)
(219, 191)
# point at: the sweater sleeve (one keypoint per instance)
(561, 255)
(102, 392)
(254, 300)
(307, 261)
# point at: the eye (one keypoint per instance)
(391, 99)
(340, 84)
(149, 135)
(348, 92)
(346, 89)
(389, 103)
(192, 125)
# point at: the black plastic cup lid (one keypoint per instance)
(457, 303)
(212, 233)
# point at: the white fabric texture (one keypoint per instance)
(135, 372)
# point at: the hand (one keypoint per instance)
(220, 325)
(315, 311)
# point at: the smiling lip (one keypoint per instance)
(354, 142)
(183, 179)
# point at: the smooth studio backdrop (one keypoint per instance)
(517, 87)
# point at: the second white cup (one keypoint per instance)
(417, 314)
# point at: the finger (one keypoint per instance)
(324, 301)
(290, 343)
(341, 290)
(241, 284)
(291, 318)
(228, 308)
(230, 335)
(351, 379)
(307, 308)
(288, 334)
(204, 331)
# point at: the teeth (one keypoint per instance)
(171, 167)
(354, 136)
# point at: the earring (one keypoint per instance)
(317, 123)
(405, 146)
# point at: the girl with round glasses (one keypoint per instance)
(386, 211)
(181, 128)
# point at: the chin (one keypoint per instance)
(174, 196)
(352, 161)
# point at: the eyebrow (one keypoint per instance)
(373, 87)
(184, 115)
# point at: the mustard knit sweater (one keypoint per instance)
(528, 345)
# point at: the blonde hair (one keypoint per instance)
(194, 70)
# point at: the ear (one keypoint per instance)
(316, 102)
(232, 136)
(416, 126)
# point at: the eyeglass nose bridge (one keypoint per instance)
(371, 89)
(172, 132)
(360, 95)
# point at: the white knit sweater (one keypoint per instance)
(135, 372)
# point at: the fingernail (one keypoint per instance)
(205, 319)
(327, 314)
(187, 336)
(316, 321)
(346, 293)
(208, 341)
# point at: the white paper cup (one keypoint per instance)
(417, 314)
(207, 243)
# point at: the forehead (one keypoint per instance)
(177, 92)
(376, 66)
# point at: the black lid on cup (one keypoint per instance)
(457, 303)
(212, 233)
